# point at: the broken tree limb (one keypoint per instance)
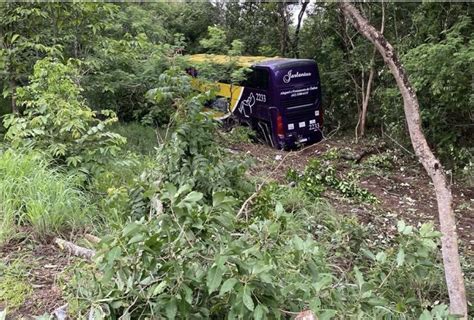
(91, 238)
(449, 239)
(74, 249)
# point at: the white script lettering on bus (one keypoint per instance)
(290, 75)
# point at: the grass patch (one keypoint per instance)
(34, 195)
(14, 286)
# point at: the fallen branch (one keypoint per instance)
(91, 238)
(399, 144)
(74, 249)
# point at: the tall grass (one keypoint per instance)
(32, 194)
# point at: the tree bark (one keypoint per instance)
(284, 23)
(296, 41)
(449, 244)
(361, 124)
(75, 249)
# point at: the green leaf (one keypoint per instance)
(136, 238)
(259, 312)
(327, 314)
(227, 286)
(130, 229)
(160, 288)
(113, 254)
(298, 242)
(381, 257)
(247, 298)
(214, 278)
(193, 197)
(171, 309)
(401, 226)
(14, 37)
(188, 294)
(359, 277)
(400, 257)
(279, 209)
(218, 198)
(426, 315)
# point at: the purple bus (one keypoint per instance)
(280, 98)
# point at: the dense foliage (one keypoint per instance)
(126, 47)
(103, 133)
(190, 253)
(56, 119)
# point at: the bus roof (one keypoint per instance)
(241, 61)
(249, 61)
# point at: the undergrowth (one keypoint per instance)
(46, 201)
(14, 285)
(188, 255)
(140, 139)
(319, 175)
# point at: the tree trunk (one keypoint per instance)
(284, 35)
(360, 130)
(298, 27)
(449, 244)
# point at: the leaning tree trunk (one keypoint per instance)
(296, 49)
(449, 245)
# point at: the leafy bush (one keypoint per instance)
(187, 261)
(173, 84)
(194, 257)
(123, 71)
(56, 119)
(192, 156)
(444, 90)
(318, 176)
(32, 194)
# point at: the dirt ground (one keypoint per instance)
(44, 266)
(404, 192)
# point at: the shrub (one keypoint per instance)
(317, 176)
(34, 195)
(192, 156)
(56, 119)
(195, 257)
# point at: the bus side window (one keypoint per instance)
(257, 79)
